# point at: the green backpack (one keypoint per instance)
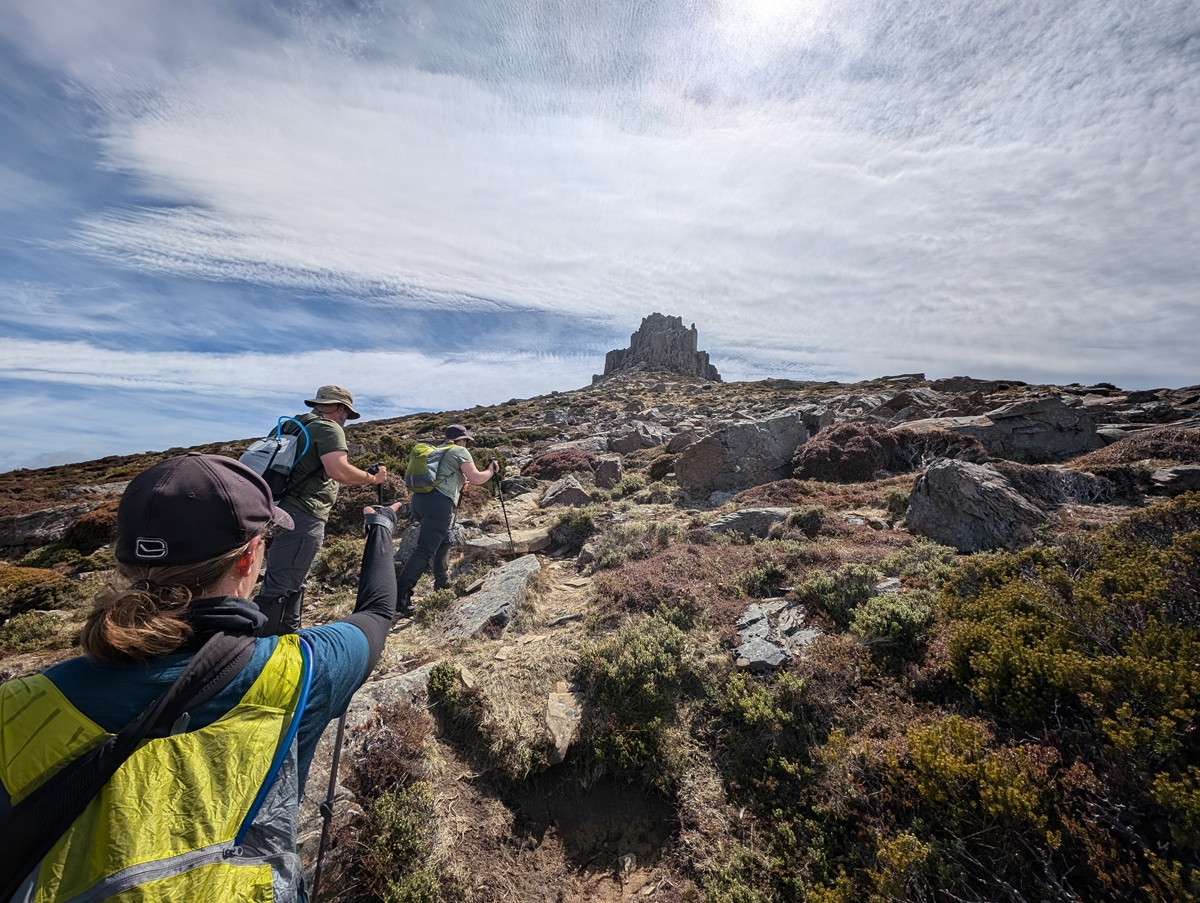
(421, 473)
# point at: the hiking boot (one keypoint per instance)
(404, 604)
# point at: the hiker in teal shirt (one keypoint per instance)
(435, 510)
(311, 491)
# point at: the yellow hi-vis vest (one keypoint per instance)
(164, 827)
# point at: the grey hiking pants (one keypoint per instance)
(288, 559)
(436, 514)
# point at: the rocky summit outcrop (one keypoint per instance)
(741, 455)
(662, 343)
(971, 507)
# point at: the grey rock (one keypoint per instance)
(496, 603)
(522, 542)
(107, 489)
(662, 343)
(594, 444)
(642, 435)
(407, 543)
(557, 418)
(717, 499)
(39, 528)
(760, 655)
(889, 586)
(741, 455)
(587, 555)
(971, 507)
(750, 521)
(1177, 479)
(566, 491)
(609, 472)
(1033, 431)
(564, 711)
(682, 440)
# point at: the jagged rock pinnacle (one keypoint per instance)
(662, 343)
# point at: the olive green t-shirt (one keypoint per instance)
(309, 489)
(449, 472)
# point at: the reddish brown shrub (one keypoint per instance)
(1166, 444)
(845, 453)
(92, 530)
(553, 464)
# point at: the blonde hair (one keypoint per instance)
(145, 615)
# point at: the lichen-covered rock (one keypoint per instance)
(39, 528)
(741, 455)
(971, 507)
(495, 605)
(1174, 480)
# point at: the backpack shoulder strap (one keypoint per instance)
(30, 829)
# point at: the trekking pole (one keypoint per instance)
(326, 807)
(500, 492)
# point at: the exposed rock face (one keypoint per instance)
(662, 343)
(1033, 431)
(41, 527)
(643, 435)
(495, 605)
(971, 507)
(741, 455)
(750, 521)
(523, 542)
(1174, 480)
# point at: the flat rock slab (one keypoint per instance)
(750, 521)
(494, 606)
(523, 542)
(760, 655)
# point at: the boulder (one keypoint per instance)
(523, 542)
(494, 606)
(682, 440)
(1033, 431)
(98, 489)
(39, 528)
(741, 455)
(971, 507)
(662, 343)
(567, 491)
(557, 418)
(642, 435)
(750, 521)
(1177, 479)
(760, 655)
(609, 472)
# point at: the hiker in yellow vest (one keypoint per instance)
(206, 808)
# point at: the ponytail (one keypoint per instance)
(145, 614)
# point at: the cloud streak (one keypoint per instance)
(995, 188)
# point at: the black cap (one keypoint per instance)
(192, 508)
(457, 431)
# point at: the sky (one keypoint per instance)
(208, 210)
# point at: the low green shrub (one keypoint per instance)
(635, 682)
(807, 519)
(760, 580)
(661, 466)
(339, 562)
(49, 556)
(924, 559)
(633, 542)
(434, 603)
(30, 632)
(896, 500)
(574, 527)
(841, 592)
(895, 624)
(630, 483)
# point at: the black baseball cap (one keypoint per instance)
(192, 508)
(457, 431)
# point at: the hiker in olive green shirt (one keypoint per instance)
(311, 491)
(435, 510)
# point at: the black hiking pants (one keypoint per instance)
(435, 511)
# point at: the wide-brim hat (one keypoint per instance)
(457, 431)
(335, 395)
(193, 508)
